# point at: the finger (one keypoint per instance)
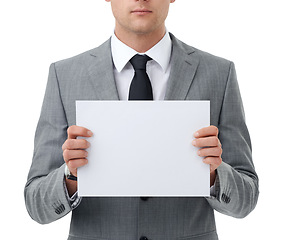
(73, 154)
(207, 142)
(206, 132)
(76, 131)
(75, 144)
(76, 163)
(214, 162)
(210, 152)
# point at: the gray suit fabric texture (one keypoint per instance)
(195, 75)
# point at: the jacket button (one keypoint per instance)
(225, 198)
(143, 238)
(144, 199)
(58, 207)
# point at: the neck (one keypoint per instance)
(140, 42)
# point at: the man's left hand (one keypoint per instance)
(210, 148)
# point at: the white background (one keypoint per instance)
(253, 34)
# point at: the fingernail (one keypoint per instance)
(196, 134)
(199, 153)
(89, 133)
(194, 142)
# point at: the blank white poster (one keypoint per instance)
(143, 148)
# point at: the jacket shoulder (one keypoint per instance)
(84, 58)
(206, 58)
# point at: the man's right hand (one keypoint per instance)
(74, 152)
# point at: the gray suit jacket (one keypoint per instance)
(195, 75)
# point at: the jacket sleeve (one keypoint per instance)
(237, 182)
(45, 196)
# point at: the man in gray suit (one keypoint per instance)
(172, 71)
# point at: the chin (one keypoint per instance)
(144, 29)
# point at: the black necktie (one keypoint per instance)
(140, 87)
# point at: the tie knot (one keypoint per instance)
(139, 62)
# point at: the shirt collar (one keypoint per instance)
(161, 52)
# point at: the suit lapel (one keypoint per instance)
(183, 61)
(184, 65)
(101, 73)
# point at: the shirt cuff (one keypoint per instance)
(213, 190)
(74, 200)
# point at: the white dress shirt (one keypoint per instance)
(158, 69)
